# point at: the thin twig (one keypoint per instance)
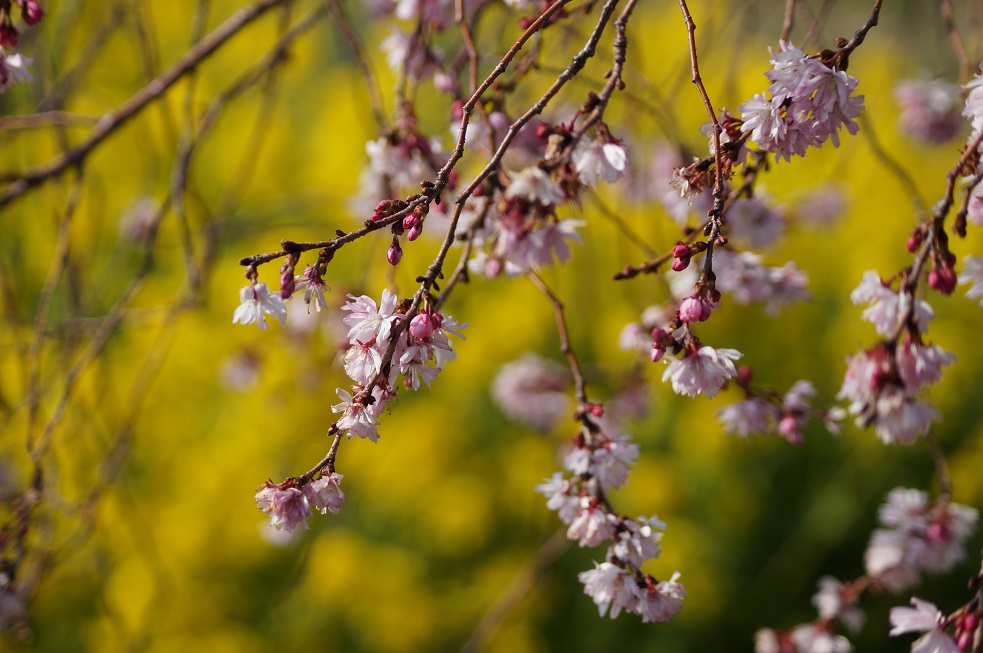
(115, 119)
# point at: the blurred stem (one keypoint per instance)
(565, 346)
(523, 583)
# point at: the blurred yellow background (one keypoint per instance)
(150, 536)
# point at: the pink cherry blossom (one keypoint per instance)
(534, 185)
(702, 372)
(888, 306)
(256, 303)
(806, 105)
(557, 490)
(659, 603)
(287, 507)
(356, 419)
(923, 618)
(611, 587)
(325, 493)
(533, 390)
(930, 109)
(367, 321)
(597, 160)
(973, 275)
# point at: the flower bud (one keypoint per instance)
(657, 352)
(395, 253)
(680, 264)
(8, 35)
(915, 240)
(414, 233)
(287, 283)
(32, 12)
(943, 279)
(420, 326)
(691, 310)
(680, 250)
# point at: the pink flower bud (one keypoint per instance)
(395, 253)
(789, 429)
(657, 352)
(493, 268)
(694, 310)
(597, 410)
(410, 221)
(915, 240)
(943, 280)
(437, 319)
(32, 12)
(8, 35)
(680, 250)
(414, 233)
(445, 83)
(287, 284)
(421, 327)
(659, 334)
(680, 264)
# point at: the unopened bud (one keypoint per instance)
(32, 12)
(287, 284)
(680, 250)
(943, 280)
(693, 310)
(421, 327)
(414, 232)
(395, 253)
(915, 240)
(8, 35)
(680, 264)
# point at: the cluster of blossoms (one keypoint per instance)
(14, 66)
(774, 412)
(289, 506)
(523, 231)
(375, 358)
(383, 345)
(917, 535)
(599, 463)
(883, 382)
(806, 105)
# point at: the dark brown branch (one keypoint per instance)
(115, 119)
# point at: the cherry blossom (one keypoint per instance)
(534, 185)
(597, 160)
(831, 603)
(356, 418)
(930, 109)
(325, 493)
(367, 321)
(14, 69)
(973, 275)
(702, 372)
(923, 618)
(533, 390)
(659, 603)
(610, 587)
(287, 506)
(256, 303)
(888, 306)
(807, 103)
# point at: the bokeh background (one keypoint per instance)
(156, 432)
